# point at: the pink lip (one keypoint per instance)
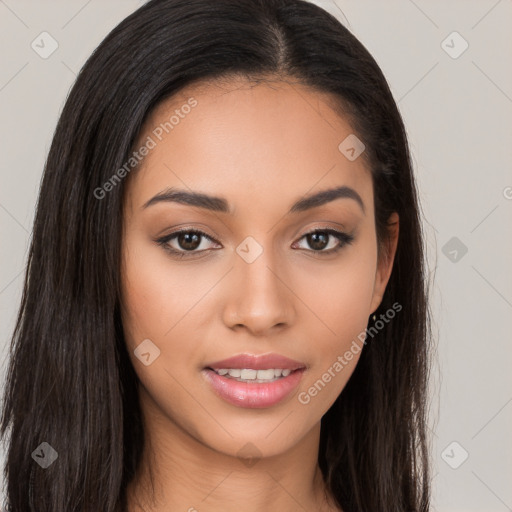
(255, 395)
(261, 362)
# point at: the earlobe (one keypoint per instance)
(385, 263)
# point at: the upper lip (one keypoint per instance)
(257, 362)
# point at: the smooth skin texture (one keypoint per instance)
(261, 147)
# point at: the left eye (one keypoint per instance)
(319, 240)
(190, 241)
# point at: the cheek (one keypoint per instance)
(338, 293)
(155, 296)
(165, 304)
(338, 297)
(158, 306)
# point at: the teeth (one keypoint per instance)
(265, 374)
(248, 374)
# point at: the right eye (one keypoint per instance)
(186, 242)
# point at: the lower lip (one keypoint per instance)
(253, 395)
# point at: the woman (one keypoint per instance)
(225, 301)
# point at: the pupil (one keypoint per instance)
(314, 240)
(189, 241)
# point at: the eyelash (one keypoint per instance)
(343, 238)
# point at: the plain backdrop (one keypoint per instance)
(448, 65)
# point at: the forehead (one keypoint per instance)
(247, 141)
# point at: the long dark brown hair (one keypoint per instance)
(70, 382)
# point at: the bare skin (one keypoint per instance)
(262, 148)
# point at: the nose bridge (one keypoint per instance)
(260, 300)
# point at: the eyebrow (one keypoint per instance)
(220, 204)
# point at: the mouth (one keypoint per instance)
(252, 376)
(254, 381)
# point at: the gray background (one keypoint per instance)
(458, 116)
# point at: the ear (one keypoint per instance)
(385, 263)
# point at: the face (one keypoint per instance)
(258, 271)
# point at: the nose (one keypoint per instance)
(259, 298)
